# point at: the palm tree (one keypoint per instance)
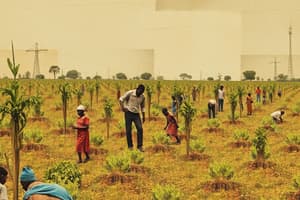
(55, 70)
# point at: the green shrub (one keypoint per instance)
(136, 157)
(60, 123)
(167, 192)
(295, 110)
(296, 182)
(221, 171)
(33, 136)
(161, 138)
(64, 172)
(197, 146)
(213, 123)
(293, 139)
(155, 112)
(241, 135)
(259, 149)
(119, 163)
(97, 140)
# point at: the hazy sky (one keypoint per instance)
(167, 37)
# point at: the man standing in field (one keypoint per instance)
(36, 190)
(221, 96)
(83, 139)
(132, 102)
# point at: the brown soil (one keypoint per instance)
(161, 148)
(293, 148)
(4, 133)
(297, 196)
(103, 120)
(61, 131)
(214, 130)
(114, 178)
(38, 119)
(236, 122)
(261, 164)
(119, 134)
(239, 144)
(219, 185)
(98, 151)
(33, 147)
(197, 156)
(139, 169)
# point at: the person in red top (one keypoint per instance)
(83, 140)
(258, 93)
(171, 126)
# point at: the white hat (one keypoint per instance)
(81, 107)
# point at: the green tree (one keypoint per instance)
(158, 91)
(210, 78)
(146, 76)
(65, 91)
(233, 104)
(55, 70)
(97, 77)
(188, 112)
(15, 107)
(40, 76)
(108, 105)
(227, 78)
(282, 77)
(249, 75)
(185, 76)
(149, 92)
(121, 76)
(73, 74)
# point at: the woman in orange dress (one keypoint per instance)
(171, 126)
(249, 102)
(83, 140)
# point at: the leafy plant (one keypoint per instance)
(233, 105)
(108, 111)
(65, 91)
(259, 150)
(221, 171)
(33, 136)
(213, 123)
(161, 138)
(197, 146)
(64, 172)
(296, 182)
(149, 92)
(241, 135)
(167, 192)
(97, 140)
(188, 112)
(293, 139)
(136, 157)
(15, 106)
(119, 163)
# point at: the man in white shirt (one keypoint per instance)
(132, 103)
(277, 116)
(3, 190)
(221, 96)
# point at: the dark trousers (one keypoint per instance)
(211, 110)
(221, 103)
(136, 119)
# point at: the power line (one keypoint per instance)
(36, 64)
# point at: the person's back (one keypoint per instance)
(42, 197)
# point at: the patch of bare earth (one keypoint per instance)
(261, 164)
(139, 169)
(119, 134)
(38, 119)
(221, 185)
(292, 148)
(115, 178)
(33, 147)
(161, 148)
(197, 156)
(240, 144)
(98, 151)
(4, 132)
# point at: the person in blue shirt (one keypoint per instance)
(36, 190)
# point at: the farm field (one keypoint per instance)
(163, 164)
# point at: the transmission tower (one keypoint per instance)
(275, 62)
(290, 61)
(36, 64)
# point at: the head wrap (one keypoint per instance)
(81, 107)
(27, 175)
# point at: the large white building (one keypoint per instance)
(164, 37)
